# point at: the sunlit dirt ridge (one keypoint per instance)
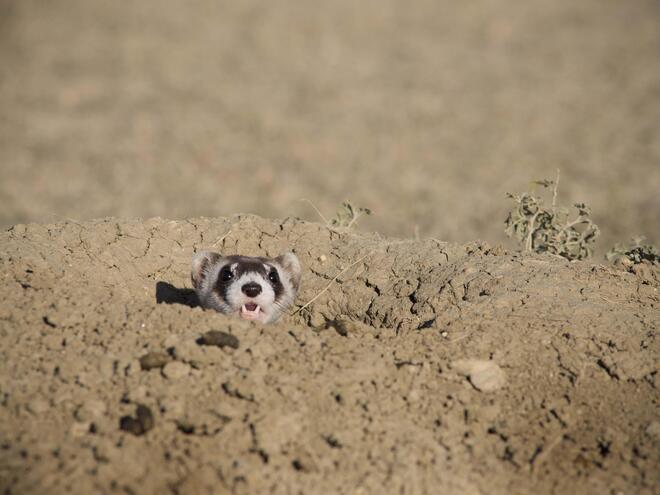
(363, 388)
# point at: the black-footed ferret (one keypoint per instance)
(253, 288)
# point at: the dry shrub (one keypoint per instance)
(548, 229)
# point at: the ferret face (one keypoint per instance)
(257, 289)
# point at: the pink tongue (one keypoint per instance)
(250, 306)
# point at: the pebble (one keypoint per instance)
(485, 376)
(153, 360)
(175, 370)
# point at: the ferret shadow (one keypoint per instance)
(168, 294)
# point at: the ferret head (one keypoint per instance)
(253, 288)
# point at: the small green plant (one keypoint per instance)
(543, 229)
(637, 251)
(345, 217)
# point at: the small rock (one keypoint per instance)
(485, 376)
(38, 406)
(322, 258)
(139, 425)
(219, 339)
(153, 360)
(175, 370)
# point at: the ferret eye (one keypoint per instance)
(226, 274)
(273, 276)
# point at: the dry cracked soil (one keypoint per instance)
(425, 367)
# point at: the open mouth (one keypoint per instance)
(250, 311)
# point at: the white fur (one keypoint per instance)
(204, 282)
(265, 299)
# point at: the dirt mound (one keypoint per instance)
(424, 367)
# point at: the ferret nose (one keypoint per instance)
(252, 289)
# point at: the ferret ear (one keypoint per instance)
(201, 263)
(291, 265)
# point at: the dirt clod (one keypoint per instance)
(219, 338)
(485, 376)
(153, 360)
(376, 399)
(142, 422)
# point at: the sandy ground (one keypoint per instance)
(436, 363)
(425, 368)
(426, 113)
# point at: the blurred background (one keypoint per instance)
(427, 111)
